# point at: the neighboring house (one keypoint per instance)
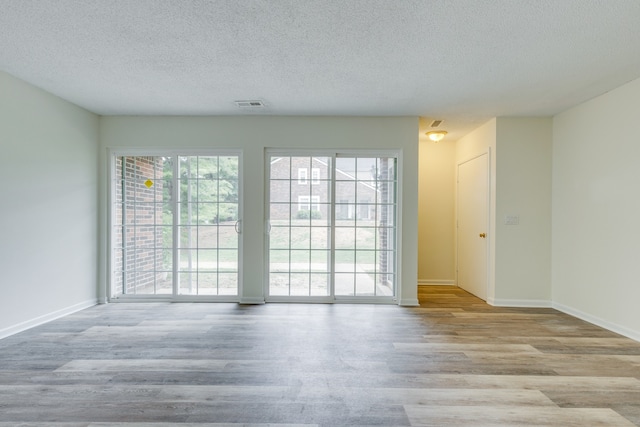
(303, 185)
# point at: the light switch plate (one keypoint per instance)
(512, 220)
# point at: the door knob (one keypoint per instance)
(483, 235)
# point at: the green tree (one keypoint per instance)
(208, 188)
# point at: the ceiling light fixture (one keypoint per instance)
(436, 135)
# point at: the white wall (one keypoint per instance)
(436, 212)
(48, 219)
(596, 210)
(523, 189)
(253, 134)
(520, 176)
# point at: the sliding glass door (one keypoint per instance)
(332, 226)
(300, 226)
(175, 223)
(365, 226)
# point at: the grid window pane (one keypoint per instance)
(282, 168)
(279, 284)
(299, 284)
(227, 236)
(345, 260)
(207, 284)
(300, 237)
(344, 284)
(227, 283)
(279, 237)
(280, 191)
(320, 237)
(365, 285)
(319, 284)
(299, 259)
(345, 238)
(279, 259)
(227, 260)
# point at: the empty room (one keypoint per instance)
(319, 213)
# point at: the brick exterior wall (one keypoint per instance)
(384, 221)
(137, 225)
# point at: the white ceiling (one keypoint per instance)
(463, 61)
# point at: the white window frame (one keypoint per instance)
(308, 203)
(315, 176)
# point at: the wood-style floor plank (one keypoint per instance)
(453, 361)
(489, 416)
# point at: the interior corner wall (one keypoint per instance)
(253, 134)
(436, 213)
(48, 220)
(523, 190)
(596, 181)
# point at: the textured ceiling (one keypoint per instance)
(463, 61)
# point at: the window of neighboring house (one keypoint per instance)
(303, 175)
(308, 203)
(315, 176)
(364, 209)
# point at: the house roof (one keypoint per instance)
(462, 61)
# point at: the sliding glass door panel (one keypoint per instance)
(332, 230)
(175, 225)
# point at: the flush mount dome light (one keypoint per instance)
(436, 135)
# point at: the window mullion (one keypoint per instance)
(332, 227)
(123, 222)
(290, 222)
(175, 190)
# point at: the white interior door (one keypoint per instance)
(472, 225)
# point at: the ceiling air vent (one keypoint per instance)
(436, 123)
(252, 104)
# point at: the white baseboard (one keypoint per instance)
(531, 303)
(251, 300)
(629, 333)
(409, 302)
(436, 283)
(40, 320)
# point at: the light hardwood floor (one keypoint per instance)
(454, 361)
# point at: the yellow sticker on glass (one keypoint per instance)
(148, 183)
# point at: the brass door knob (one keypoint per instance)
(483, 235)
